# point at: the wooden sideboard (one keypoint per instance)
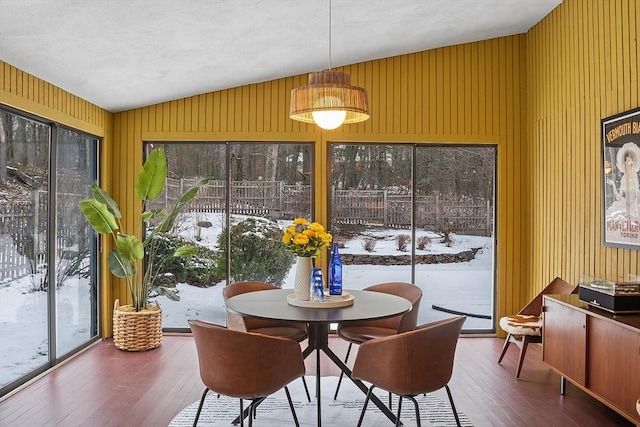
(595, 350)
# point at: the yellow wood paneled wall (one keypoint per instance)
(30, 94)
(583, 66)
(470, 93)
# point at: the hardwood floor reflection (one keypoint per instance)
(107, 387)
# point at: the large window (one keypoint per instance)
(75, 249)
(48, 295)
(255, 190)
(400, 212)
(420, 214)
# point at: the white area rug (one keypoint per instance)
(343, 412)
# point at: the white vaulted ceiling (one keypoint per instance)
(122, 54)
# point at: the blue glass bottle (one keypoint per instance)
(317, 285)
(335, 272)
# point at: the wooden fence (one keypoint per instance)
(23, 232)
(23, 229)
(383, 208)
(16, 246)
(23, 236)
(390, 210)
(260, 198)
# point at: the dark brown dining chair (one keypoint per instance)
(410, 363)
(357, 332)
(244, 365)
(525, 327)
(292, 330)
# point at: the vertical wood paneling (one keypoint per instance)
(452, 85)
(420, 101)
(208, 112)
(173, 115)
(431, 127)
(33, 95)
(394, 87)
(411, 81)
(380, 100)
(582, 67)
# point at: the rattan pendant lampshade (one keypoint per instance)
(329, 100)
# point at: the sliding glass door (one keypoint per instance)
(48, 257)
(421, 214)
(75, 252)
(455, 260)
(235, 221)
(24, 300)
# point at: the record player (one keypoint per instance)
(614, 297)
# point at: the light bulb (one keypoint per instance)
(328, 119)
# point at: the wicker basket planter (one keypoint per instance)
(137, 330)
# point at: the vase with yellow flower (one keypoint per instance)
(306, 240)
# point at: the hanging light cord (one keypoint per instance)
(329, 34)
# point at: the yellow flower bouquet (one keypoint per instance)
(306, 239)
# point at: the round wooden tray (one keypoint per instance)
(330, 301)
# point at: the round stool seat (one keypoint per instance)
(522, 324)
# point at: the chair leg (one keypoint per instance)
(306, 389)
(251, 409)
(505, 347)
(346, 358)
(195, 422)
(415, 404)
(364, 407)
(293, 411)
(523, 350)
(242, 415)
(453, 407)
(398, 423)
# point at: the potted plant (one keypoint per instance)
(138, 327)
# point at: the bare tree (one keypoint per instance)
(272, 161)
(3, 149)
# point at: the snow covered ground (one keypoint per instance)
(465, 287)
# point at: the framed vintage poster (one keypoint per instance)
(621, 192)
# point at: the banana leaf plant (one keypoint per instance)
(126, 260)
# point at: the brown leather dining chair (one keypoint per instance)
(291, 330)
(357, 332)
(410, 363)
(525, 327)
(244, 365)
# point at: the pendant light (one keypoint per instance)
(329, 100)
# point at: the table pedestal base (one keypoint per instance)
(319, 341)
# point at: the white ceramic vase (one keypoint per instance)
(304, 268)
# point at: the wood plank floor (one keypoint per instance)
(107, 387)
